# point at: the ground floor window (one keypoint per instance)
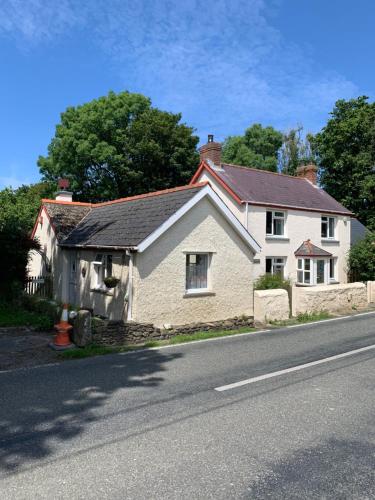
(197, 269)
(332, 269)
(317, 271)
(102, 268)
(275, 265)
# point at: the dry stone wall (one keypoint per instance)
(118, 333)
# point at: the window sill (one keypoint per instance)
(203, 293)
(330, 240)
(333, 282)
(102, 291)
(281, 238)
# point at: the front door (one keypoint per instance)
(320, 272)
(73, 278)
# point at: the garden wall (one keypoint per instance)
(330, 298)
(371, 292)
(270, 305)
(118, 333)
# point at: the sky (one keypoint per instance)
(224, 64)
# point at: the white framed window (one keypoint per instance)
(304, 269)
(313, 271)
(103, 269)
(332, 269)
(275, 223)
(328, 227)
(197, 272)
(275, 265)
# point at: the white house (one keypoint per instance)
(304, 233)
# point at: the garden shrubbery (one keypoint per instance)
(271, 281)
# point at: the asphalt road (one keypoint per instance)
(150, 424)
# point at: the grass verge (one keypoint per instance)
(15, 316)
(96, 350)
(303, 318)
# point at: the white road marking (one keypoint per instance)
(292, 369)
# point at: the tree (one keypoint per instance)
(257, 148)
(346, 152)
(118, 145)
(361, 260)
(18, 209)
(295, 151)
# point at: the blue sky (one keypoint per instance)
(224, 64)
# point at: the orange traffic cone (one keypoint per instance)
(62, 338)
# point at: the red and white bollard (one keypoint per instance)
(62, 339)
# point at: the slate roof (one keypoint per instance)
(261, 187)
(65, 217)
(308, 249)
(127, 222)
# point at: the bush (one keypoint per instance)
(361, 260)
(271, 281)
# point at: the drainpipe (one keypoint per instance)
(247, 216)
(130, 286)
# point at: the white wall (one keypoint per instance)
(160, 272)
(300, 226)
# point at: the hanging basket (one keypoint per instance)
(111, 282)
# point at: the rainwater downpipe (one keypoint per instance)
(247, 216)
(130, 286)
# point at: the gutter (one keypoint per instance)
(98, 247)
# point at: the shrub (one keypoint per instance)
(271, 281)
(361, 260)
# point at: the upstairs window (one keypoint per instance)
(197, 272)
(275, 223)
(328, 227)
(103, 269)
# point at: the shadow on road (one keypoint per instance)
(335, 469)
(41, 407)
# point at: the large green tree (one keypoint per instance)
(119, 145)
(295, 151)
(257, 148)
(346, 154)
(361, 260)
(18, 209)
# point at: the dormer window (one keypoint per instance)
(275, 223)
(328, 227)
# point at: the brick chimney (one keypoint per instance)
(309, 172)
(63, 194)
(211, 152)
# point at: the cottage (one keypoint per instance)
(178, 256)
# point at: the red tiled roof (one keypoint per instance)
(260, 187)
(308, 249)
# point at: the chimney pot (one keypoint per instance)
(211, 152)
(63, 194)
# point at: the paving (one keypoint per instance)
(149, 424)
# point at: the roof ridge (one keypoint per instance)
(151, 194)
(265, 171)
(62, 202)
(128, 198)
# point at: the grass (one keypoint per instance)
(16, 316)
(303, 318)
(97, 350)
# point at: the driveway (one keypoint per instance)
(24, 347)
(151, 424)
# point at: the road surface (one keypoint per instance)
(199, 421)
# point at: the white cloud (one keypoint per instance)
(37, 20)
(220, 62)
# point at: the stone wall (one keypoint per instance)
(371, 292)
(271, 305)
(330, 298)
(117, 333)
